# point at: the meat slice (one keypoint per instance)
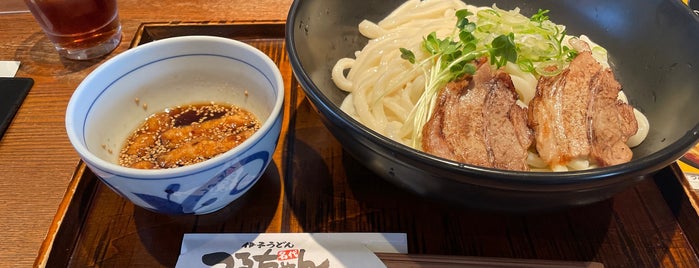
(576, 115)
(558, 112)
(433, 134)
(477, 121)
(507, 135)
(612, 122)
(463, 123)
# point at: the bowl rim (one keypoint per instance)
(171, 173)
(637, 167)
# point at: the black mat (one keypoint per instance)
(12, 93)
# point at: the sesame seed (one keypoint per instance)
(188, 135)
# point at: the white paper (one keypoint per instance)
(8, 68)
(288, 250)
(693, 180)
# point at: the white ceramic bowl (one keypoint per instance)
(118, 95)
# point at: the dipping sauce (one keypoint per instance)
(187, 135)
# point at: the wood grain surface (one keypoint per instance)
(36, 158)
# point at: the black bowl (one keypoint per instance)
(653, 50)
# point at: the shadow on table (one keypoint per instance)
(330, 191)
(438, 227)
(161, 235)
(39, 58)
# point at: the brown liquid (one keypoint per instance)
(187, 135)
(76, 24)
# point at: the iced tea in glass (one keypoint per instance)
(79, 29)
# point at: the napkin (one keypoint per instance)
(8, 68)
(289, 249)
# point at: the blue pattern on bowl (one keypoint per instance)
(189, 205)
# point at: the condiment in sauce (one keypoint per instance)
(186, 135)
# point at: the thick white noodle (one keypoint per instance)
(337, 74)
(643, 127)
(525, 83)
(384, 87)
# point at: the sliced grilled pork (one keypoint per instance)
(558, 111)
(434, 134)
(477, 121)
(576, 115)
(612, 122)
(508, 136)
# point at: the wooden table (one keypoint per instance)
(36, 158)
(313, 185)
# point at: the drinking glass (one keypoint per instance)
(79, 29)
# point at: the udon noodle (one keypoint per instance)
(384, 88)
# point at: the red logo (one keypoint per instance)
(289, 254)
